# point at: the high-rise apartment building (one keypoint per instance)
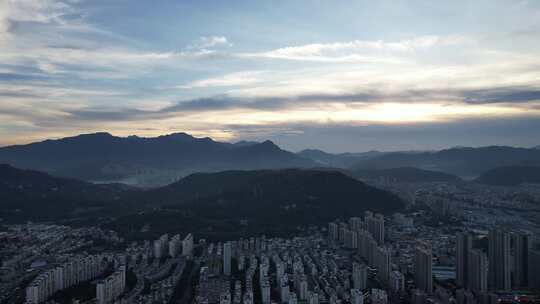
(356, 223)
(383, 264)
(333, 231)
(63, 276)
(499, 259)
(521, 259)
(175, 244)
(534, 269)
(477, 271)
(350, 239)
(375, 226)
(463, 246)
(423, 277)
(109, 289)
(227, 256)
(359, 276)
(187, 245)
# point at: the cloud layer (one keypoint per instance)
(66, 68)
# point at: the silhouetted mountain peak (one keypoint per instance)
(83, 138)
(91, 135)
(178, 136)
(266, 146)
(269, 144)
(153, 160)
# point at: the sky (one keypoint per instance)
(335, 75)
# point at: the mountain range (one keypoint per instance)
(464, 162)
(158, 161)
(145, 161)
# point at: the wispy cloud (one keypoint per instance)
(206, 42)
(359, 50)
(233, 79)
(373, 106)
(55, 37)
(46, 11)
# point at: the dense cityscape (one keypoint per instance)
(439, 251)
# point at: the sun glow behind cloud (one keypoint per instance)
(393, 113)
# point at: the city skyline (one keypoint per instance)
(386, 76)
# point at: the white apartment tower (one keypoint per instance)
(187, 245)
(227, 255)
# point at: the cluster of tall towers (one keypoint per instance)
(173, 247)
(368, 236)
(510, 262)
(64, 276)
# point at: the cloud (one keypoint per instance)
(233, 79)
(45, 91)
(359, 50)
(374, 106)
(124, 114)
(502, 95)
(62, 71)
(56, 38)
(44, 11)
(230, 117)
(206, 42)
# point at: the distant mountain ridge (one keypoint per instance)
(340, 160)
(346, 159)
(463, 162)
(102, 156)
(510, 176)
(158, 161)
(406, 175)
